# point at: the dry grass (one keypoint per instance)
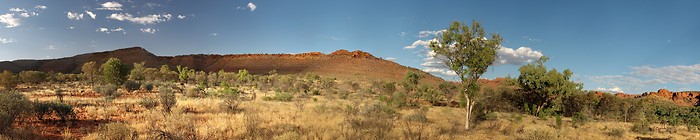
(304, 118)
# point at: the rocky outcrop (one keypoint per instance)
(679, 98)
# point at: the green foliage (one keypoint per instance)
(148, 103)
(283, 96)
(167, 98)
(138, 73)
(132, 85)
(558, 121)
(617, 132)
(184, 73)
(12, 105)
(243, 76)
(90, 71)
(165, 74)
(147, 86)
(8, 80)
(544, 87)
(114, 71)
(410, 81)
(63, 111)
(642, 127)
(32, 77)
(109, 91)
(115, 131)
(374, 120)
(387, 87)
(579, 118)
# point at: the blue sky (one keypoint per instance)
(631, 46)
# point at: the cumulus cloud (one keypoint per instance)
(6, 40)
(427, 33)
(181, 16)
(18, 10)
(92, 15)
(440, 71)
(516, 56)
(74, 16)
(148, 30)
(107, 30)
(614, 89)
(251, 6)
(40, 7)
(10, 20)
(114, 6)
(419, 43)
(390, 58)
(148, 19)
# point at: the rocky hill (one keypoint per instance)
(683, 98)
(342, 64)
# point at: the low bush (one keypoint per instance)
(167, 98)
(108, 91)
(642, 127)
(115, 131)
(148, 103)
(283, 96)
(147, 86)
(132, 85)
(12, 105)
(579, 118)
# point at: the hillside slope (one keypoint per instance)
(341, 64)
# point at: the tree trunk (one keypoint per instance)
(540, 108)
(469, 106)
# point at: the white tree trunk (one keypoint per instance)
(469, 106)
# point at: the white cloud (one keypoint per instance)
(390, 58)
(148, 19)
(71, 27)
(441, 71)
(74, 16)
(51, 47)
(92, 15)
(114, 6)
(18, 10)
(214, 34)
(614, 89)
(678, 74)
(6, 40)
(40, 7)
(10, 20)
(181, 16)
(427, 33)
(148, 30)
(251, 6)
(107, 30)
(419, 43)
(516, 57)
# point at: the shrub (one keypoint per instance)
(138, 72)
(148, 103)
(115, 131)
(64, 111)
(41, 109)
(33, 77)
(12, 105)
(642, 127)
(558, 121)
(414, 125)
(109, 91)
(230, 102)
(387, 88)
(579, 118)
(147, 86)
(194, 92)
(167, 98)
(282, 96)
(132, 85)
(375, 119)
(59, 94)
(8, 80)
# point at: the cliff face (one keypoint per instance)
(340, 64)
(679, 98)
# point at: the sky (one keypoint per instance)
(625, 46)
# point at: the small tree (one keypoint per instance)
(138, 73)
(8, 80)
(184, 73)
(114, 71)
(545, 86)
(410, 81)
(167, 98)
(466, 51)
(89, 70)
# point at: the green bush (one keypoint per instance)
(558, 121)
(132, 85)
(12, 105)
(8, 80)
(579, 118)
(148, 103)
(617, 132)
(282, 96)
(33, 77)
(114, 72)
(642, 127)
(167, 98)
(147, 86)
(109, 91)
